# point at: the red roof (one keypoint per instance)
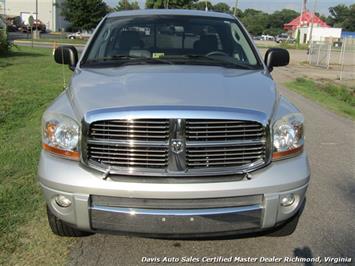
(305, 20)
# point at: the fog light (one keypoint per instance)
(62, 201)
(287, 200)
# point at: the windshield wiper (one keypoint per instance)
(212, 59)
(126, 60)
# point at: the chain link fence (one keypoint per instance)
(340, 59)
(320, 54)
(347, 59)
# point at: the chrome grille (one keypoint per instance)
(237, 143)
(109, 143)
(146, 146)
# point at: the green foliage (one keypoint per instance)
(84, 14)
(176, 4)
(126, 5)
(255, 21)
(222, 7)
(5, 44)
(331, 95)
(342, 16)
(279, 18)
(201, 5)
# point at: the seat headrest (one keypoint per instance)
(206, 44)
(129, 39)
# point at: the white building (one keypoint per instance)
(49, 11)
(319, 34)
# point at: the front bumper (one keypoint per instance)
(252, 204)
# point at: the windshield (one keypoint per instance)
(171, 40)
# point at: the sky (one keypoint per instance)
(272, 5)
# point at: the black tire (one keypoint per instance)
(61, 228)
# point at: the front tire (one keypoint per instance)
(61, 228)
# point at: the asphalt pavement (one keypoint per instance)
(326, 228)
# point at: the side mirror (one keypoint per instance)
(67, 55)
(276, 57)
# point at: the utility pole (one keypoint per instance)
(235, 8)
(4, 6)
(36, 16)
(312, 21)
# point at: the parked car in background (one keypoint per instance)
(267, 37)
(79, 35)
(284, 37)
(257, 38)
(281, 37)
(175, 132)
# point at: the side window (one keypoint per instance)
(242, 50)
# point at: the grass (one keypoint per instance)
(29, 81)
(338, 98)
(284, 45)
(44, 40)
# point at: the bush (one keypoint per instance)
(5, 44)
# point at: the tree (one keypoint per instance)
(342, 16)
(178, 4)
(201, 5)
(255, 21)
(126, 5)
(279, 18)
(84, 14)
(222, 7)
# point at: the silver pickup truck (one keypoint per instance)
(172, 126)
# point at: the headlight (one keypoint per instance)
(288, 136)
(60, 135)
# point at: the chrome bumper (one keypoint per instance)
(175, 216)
(196, 221)
(153, 207)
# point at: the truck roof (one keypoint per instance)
(177, 12)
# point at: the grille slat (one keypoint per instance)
(224, 154)
(146, 159)
(107, 134)
(127, 164)
(96, 153)
(219, 164)
(225, 131)
(226, 149)
(212, 136)
(226, 158)
(127, 149)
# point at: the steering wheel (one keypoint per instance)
(217, 53)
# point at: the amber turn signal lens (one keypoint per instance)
(282, 154)
(69, 154)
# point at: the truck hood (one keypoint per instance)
(175, 86)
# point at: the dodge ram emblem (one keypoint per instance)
(177, 146)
